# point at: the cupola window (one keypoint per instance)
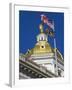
(41, 38)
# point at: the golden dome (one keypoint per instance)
(42, 47)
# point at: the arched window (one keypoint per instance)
(41, 38)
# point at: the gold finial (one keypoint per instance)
(41, 28)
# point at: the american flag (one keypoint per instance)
(46, 21)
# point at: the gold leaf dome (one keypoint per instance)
(42, 47)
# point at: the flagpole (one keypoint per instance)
(45, 20)
(55, 55)
(55, 52)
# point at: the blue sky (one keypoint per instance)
(29, 28)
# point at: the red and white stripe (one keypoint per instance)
(46, 21)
